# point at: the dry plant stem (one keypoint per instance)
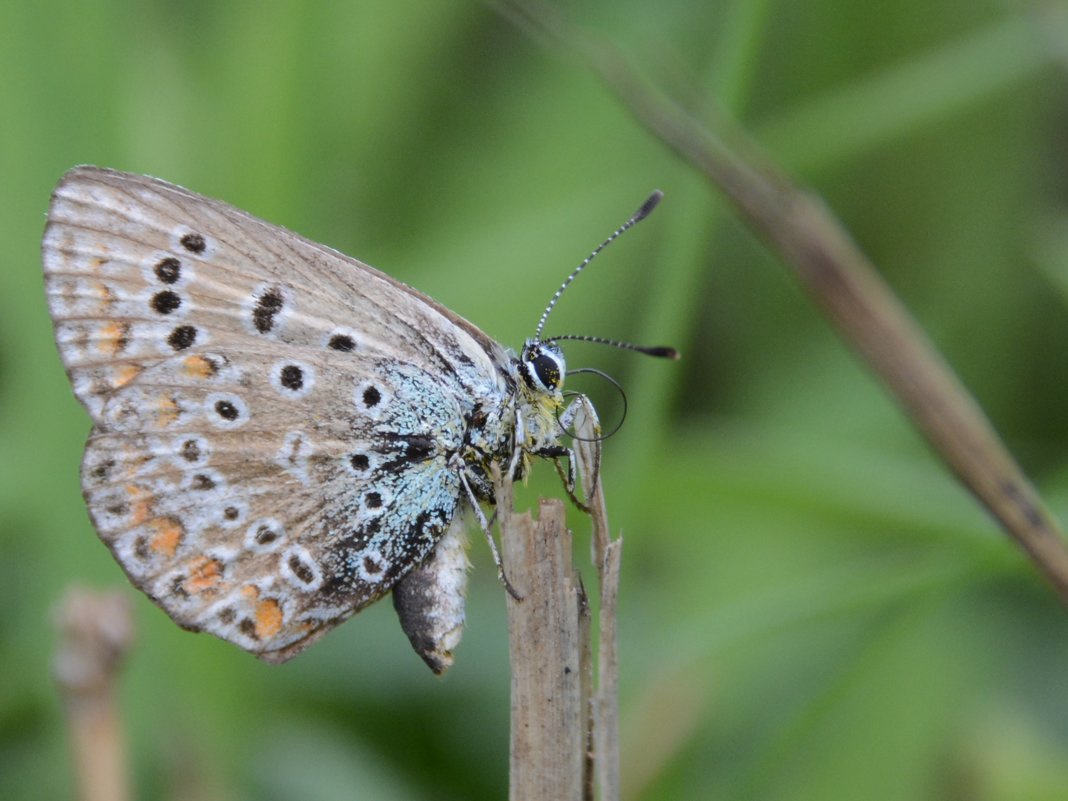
(96, 631)
(605, 703)
(844, 283)
(607, 555)
(549, 647)
(565, 730)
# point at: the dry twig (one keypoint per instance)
(549, 646)
(565, 742)
(96, 630)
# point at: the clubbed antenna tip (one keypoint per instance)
(648, 206)
(663, 352)
(659, 351)
(637, 217)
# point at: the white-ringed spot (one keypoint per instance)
(291, 378)
(371, 397)
(192, 243)
(374, 502)
(266, 310)
(360, 463)
(165, 270)
(343, 340)
(233, 514)
(226, 410)
(167, 303)
(264, 535)
(183, 337)
(191, 450)
(370, 566)
(203, 481)
(300, 570)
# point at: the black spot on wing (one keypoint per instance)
(182, 337)
(194, 243)
(291, 377)
(342, 342)
(226, 410)
(301, 570)
(266, 308)
(266, 534)
(202, 481)
(165, 302)
(168, 270)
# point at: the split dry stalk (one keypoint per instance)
(565, 731)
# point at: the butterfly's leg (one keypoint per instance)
(567, 416)
(485, 526)
(517, 446)
(557, 452)
(580, 411)
(568, 479)
(567, 419)
(581, 415)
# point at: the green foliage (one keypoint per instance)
(811, 607)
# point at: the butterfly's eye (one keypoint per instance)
(542, 366)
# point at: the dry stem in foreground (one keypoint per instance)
(565, 738)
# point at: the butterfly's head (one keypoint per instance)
(541, 364)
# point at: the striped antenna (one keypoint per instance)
(660, 351)
(636, 218)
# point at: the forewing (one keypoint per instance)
(138, 270)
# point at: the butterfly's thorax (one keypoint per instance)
(506, 426)
(537, 410)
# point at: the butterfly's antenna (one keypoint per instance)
(660, 351)
(636, 218)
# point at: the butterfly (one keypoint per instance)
(282, 434)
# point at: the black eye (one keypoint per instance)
(541, 366)
(547, 368)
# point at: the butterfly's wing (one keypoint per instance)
(273, 420)
(129, 259)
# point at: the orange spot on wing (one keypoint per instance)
(124, 374)
(113, 337)
(268, 618)
(199, 367)
(168, 410)
(140, 504)
(204, 574)
(167, 537)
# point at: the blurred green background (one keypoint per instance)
(811, 607)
